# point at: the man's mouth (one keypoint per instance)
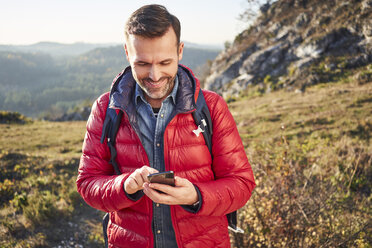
(156, 84)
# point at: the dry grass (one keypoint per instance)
(40, 206)
(311, 154)
(52, 140)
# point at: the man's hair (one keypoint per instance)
(152, 21)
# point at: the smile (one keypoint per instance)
(157, 84)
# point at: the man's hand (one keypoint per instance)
(136, 180)
(184, 192)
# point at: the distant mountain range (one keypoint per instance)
(78, 48)
(55, 78)
(54, 48)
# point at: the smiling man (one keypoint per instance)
(157, 97)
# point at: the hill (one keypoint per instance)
(40, 85)
(310, 153)
(294, 44)
(53, 48)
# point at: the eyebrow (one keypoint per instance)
(163, 61)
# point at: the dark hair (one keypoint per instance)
(152, 21)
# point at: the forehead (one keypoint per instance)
(165, 45)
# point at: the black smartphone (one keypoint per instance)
(166, 177)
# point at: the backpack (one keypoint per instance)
(203, 121)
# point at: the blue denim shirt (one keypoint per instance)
(152, 132)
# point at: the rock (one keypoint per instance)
(300, 3)
(274, 28)
(367, 29)
(308, 50)
(291, 36)
(262, 62)
(244, 80)
(223, 74)
(366, 5)
(283, 33)
(265, 7)
(298, 91)
(310, 31)
(358, 61)
(334, 40)
(302, 20)
(303, 63)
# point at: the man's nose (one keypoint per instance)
(154, 74)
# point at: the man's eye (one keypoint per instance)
(141, 64)
(165, 63)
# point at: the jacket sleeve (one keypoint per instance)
(234, 181)
(97, 182)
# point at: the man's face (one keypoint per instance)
(154, 63)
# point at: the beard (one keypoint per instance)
(157, 93)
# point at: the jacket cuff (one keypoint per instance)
(136, 196)
(194, 208)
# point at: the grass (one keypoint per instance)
(39, 203)
(53, 140)
(310, 152)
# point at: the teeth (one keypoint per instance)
(155, 83)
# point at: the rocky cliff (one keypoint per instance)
(294, 44)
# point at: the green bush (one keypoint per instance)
(13, 117)
(41, 208)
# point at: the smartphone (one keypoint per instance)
(166, 177)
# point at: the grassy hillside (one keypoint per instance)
(311, 155)
(39, 203)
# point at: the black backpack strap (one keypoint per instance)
(105, 221)
(110, 128)
(203, 120)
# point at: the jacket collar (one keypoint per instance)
(123, 92)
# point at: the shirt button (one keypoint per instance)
(157, 204)
(158, 144)
(162, 116)
(158, 231)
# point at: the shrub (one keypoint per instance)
(41, 208)
(13, 117)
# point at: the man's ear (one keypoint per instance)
(180, 50)
(126, 52)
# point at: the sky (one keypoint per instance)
(24, 22)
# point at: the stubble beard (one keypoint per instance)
(158, 94)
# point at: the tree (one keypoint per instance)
(254, 8)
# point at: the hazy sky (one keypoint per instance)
(102, 21)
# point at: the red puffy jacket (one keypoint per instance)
(225, 183)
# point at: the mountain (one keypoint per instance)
(54, 48)
(294, 44)
(36, 83)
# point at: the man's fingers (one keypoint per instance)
(162, 187)
(131, 185)
(145, 171)
(138, 177)
(151, 191)
(180, 182)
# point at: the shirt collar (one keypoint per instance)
(139, 93)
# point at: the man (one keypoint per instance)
(157, 96)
